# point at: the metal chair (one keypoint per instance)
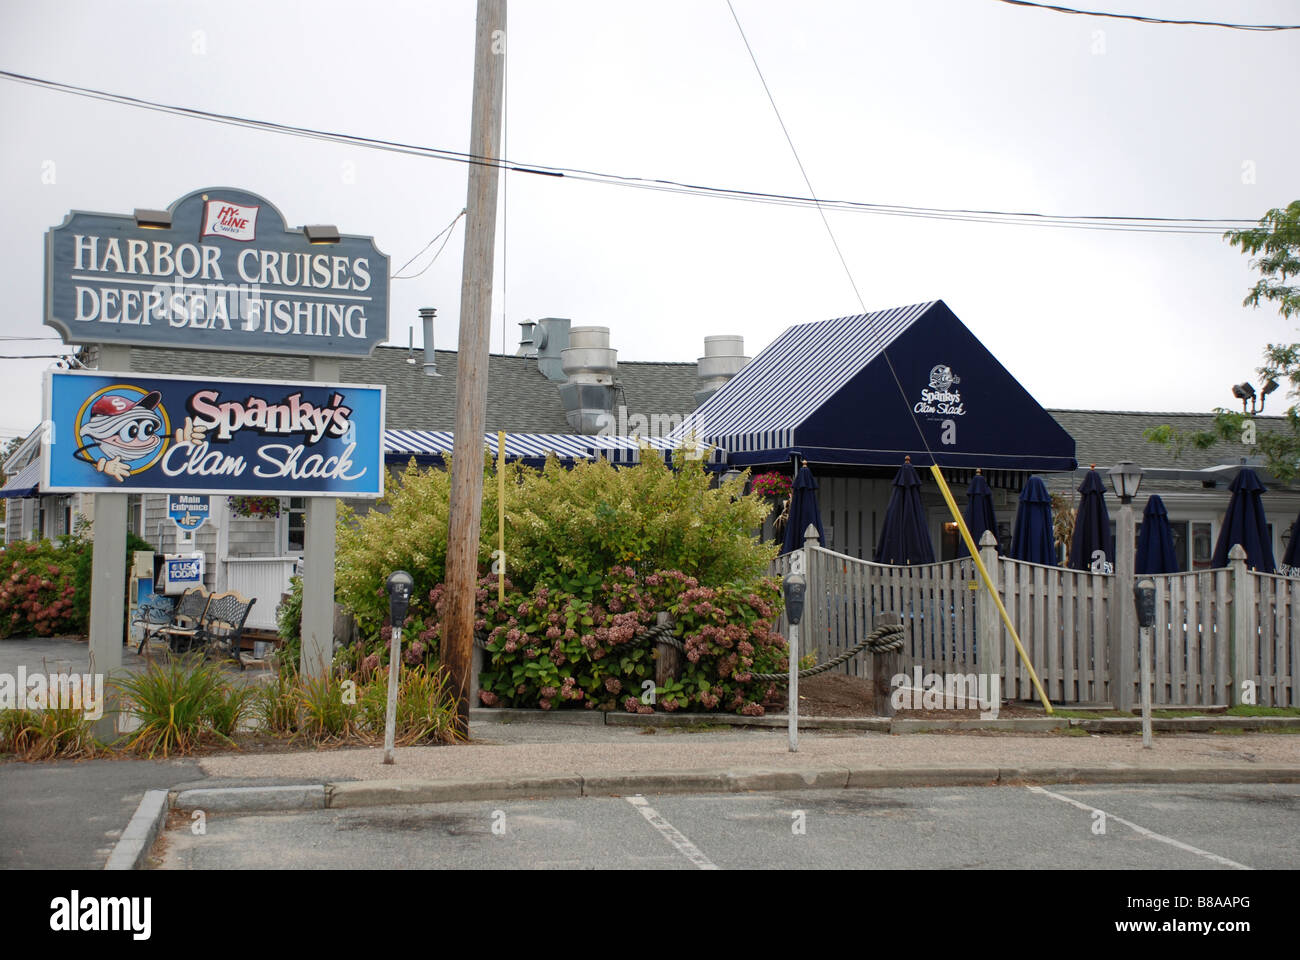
(183, 631)
(222, 628)
(152, 616)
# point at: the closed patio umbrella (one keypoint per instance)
(1092, 539)
(1155, 552)
(803, 511)
(1032, 539)
(978, 514)
(1245, 523)
(905, 535)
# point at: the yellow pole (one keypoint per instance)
(501, 516)
(988, 582)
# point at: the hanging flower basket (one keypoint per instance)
(257, 508)
(772, 485)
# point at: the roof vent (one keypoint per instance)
(550, 337)
(589, 366)
(724, 356)
(430, 361)
(527, 345)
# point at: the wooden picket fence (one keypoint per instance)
(1068, 624)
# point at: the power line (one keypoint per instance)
(437, 254)
(445, 229)
(831, 233)
(1124, 223)
(1257, 27)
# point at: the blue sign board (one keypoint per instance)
(219, 270)
(188, 511)
(184, 571)
(129, 433)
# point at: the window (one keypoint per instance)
(295, 525)
(1179, 528)
(1202, 546)
(135, 514)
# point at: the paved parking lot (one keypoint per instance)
(1176, 827)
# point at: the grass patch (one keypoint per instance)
(1251, 710)
(1073, 732)
(47, 735)
(1176, 714)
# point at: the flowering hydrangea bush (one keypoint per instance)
(553, 649)
(37, 590)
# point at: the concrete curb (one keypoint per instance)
(877, 724)
(371, 793)
(138, 838)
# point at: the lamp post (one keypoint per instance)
(1125, 477)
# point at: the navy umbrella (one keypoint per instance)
(1292, 557)
(979, 512)
(1244, 523)
(803, 511)
(1092, 539)
(1155, 553)
(1032, 540)
(905, 537)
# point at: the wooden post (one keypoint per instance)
(1123, 651)
(1240, 658)
(321, 515)
(668, 659)
(471, 361)
(988, 623)
(108, 570)
(884, 667)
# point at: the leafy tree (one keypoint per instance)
(1275, 247)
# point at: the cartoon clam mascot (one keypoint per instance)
(120, 433)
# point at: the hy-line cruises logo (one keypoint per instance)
(231, 220)
(58, 691)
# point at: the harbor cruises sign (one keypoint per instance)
(122, 433)
(218, 270)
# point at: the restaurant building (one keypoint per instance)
(852, 397)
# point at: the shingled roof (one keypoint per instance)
(520, 398)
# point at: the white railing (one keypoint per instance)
(263, 578)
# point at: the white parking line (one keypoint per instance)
(1145, 832)
(674, 836)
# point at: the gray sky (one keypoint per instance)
(950, 103)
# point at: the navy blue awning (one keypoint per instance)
(830, 392)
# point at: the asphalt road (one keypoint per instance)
(1182, 827)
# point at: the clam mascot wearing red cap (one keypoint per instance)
(121, 432)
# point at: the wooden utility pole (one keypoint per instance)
(472, 357)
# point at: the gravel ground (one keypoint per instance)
(506, 752)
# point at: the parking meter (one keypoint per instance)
(795, 586)
(1144, 597)
(399, 585)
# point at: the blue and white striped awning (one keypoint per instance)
(872, 389)
(534, 448)
(25, 483)
(788, 382)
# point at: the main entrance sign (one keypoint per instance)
(122, 433)
(220, 270)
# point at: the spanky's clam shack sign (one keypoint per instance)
(218, 270)
(128, 433)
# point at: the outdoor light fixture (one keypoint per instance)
(154, 219)
(321, 233)
(1246, 394)
(1126, 477)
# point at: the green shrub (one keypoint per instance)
(275, 704)
(176, 704)
(325, 716)
(288, 621)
